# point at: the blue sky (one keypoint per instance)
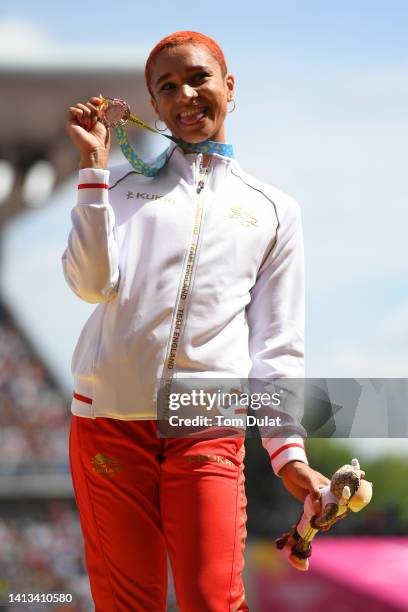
(322, 98)
(308, 31)
(375, 28)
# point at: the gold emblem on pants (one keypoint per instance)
(107, 466)
(214, 458)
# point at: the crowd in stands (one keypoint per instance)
(44, 555)
(34, 416)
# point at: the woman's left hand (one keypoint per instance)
(300, 480)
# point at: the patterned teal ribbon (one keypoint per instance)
(151, 169)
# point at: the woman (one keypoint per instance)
(197, 270)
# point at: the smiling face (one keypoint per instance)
(190, 92)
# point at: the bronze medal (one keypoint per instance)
(114, 112)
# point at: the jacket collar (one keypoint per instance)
(186, 165)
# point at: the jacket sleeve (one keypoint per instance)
(90, 262)
(276, 330)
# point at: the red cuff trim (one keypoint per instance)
(93, 186)
(282, 448)
(82, 398)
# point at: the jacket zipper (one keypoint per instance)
(184, 292)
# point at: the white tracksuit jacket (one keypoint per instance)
(207, 284)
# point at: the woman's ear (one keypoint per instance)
(230, 83)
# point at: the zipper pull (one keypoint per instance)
(200, 186)
(199, 174)
(202, 173)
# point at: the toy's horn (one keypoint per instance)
(355, 463)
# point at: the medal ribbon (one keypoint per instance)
(134, 159)
(151, 169)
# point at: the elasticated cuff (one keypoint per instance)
(283, 450)
(93, 186)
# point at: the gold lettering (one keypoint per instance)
(242, 216)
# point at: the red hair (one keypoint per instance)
(181, 38)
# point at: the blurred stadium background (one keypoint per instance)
(361, 564)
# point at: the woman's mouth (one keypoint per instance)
(193, 116)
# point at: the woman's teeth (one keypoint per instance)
(191, 117)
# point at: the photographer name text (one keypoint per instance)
(220, 420)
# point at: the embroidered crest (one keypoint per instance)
(107, 466)
(244, 217)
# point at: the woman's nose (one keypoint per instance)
(185, 91)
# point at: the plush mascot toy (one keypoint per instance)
(348, 491)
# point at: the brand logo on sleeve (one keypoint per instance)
(243, 217)
(138, 195)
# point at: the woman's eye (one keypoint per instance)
(195, 79)
(200, 76)
(167, 86)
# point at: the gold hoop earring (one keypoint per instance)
(231, 110)
(160, 129)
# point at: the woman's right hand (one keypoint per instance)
(90, 135)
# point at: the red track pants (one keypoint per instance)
(140, 496)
